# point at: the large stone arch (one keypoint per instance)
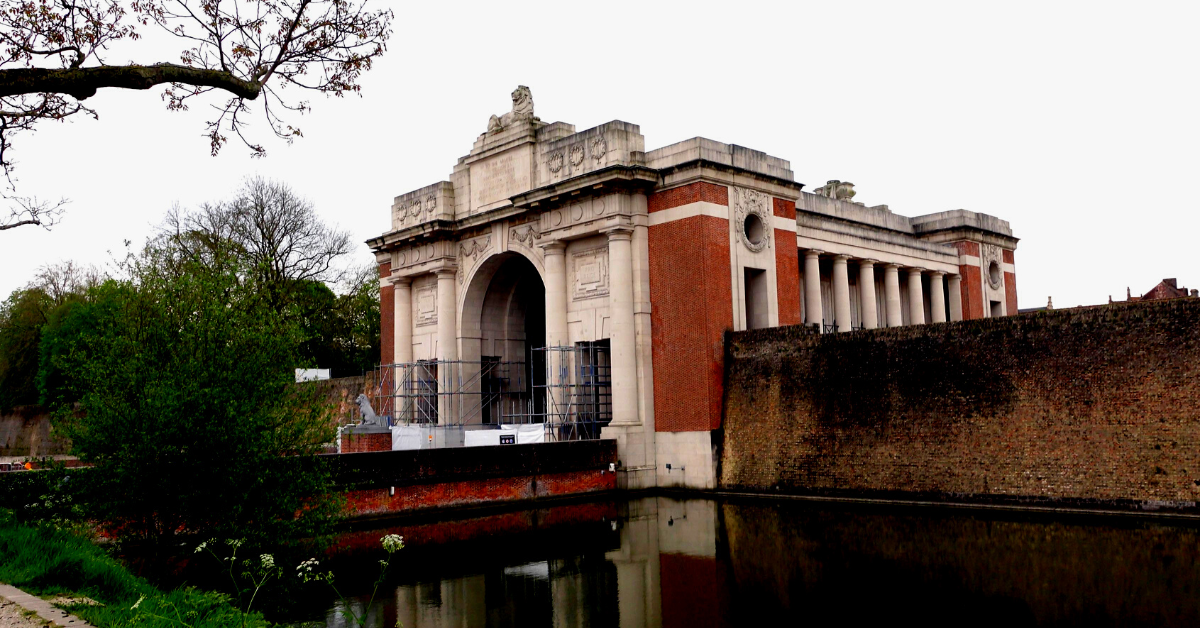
(502, 316)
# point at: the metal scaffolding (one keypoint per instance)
(573, 401)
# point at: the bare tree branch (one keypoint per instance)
(82, 83)
(31, 211)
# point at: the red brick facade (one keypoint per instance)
(691, 307)
(787, 266)
(784, 208)
(358, 443)
(701, 191)
(387, 318)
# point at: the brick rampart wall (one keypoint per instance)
(787, 266)
(1091, 404)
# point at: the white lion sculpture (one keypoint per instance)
(522, 110)
(368, 413)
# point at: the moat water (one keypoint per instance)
(659, 562)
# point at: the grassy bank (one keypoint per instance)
(47, 561)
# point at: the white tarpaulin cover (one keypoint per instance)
(481, 438)
(410, 437)
(527, 432)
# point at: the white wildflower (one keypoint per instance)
(392, 542)
(268, 561)
(137, 603)
(201, 547)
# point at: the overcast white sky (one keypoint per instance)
(1076, 122)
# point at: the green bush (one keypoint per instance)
(47, 561)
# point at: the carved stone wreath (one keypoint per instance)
(576, 155)
(555, 162)
(752, 202)
(414, 209)
(430, 203)
(991, 255)
(525, 233)
(599, 148)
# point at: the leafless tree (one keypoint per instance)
(65, 279)
(53, 58)
(269, 228)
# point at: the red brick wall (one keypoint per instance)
(358, 443)
(691, 307)
(972, 292)
(688, 194)
(787, 266)
(1010, 284)
(784, 208)
(387, 318)
(377, 501)
(967, 248)
(1098, 403)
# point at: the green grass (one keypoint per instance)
(47, 561)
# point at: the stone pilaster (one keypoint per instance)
(447, 343)
(623, 342)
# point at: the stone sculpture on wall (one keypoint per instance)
(522, 110)
(840, 190)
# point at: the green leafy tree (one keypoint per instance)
(186, 401)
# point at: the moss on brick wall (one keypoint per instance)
(1100, 403)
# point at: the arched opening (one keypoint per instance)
(503, 323)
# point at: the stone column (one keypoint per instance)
(402, 298)
(623, 343)
(937, 298)
(916, 300)
(891, 288)
(403, 353)
(841, 293)
(866, 293)
(812, 288)
(447, 345)
(954, 283)
(555, 261)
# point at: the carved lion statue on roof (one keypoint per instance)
(522, 110)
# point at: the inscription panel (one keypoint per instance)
(590, 269)
(498, 177)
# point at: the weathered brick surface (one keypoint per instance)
(972, 291)
(358, 443)
(387, 318)
(688, 194)
(1091, 404)
(690, 310)
(787, 277)
(783, 208)
(1010, 293)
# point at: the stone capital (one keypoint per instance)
(813, 253)
(867, 262)
(397, 280)
(446, 272)
(619, 232)
(554, 247)
(937, 273)
(840, 257)
(891, 266)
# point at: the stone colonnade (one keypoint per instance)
(893, 316)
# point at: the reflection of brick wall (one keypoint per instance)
(691, 306)
(387, 317)
(694, 592)
(1100, 403)
(787, 266)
